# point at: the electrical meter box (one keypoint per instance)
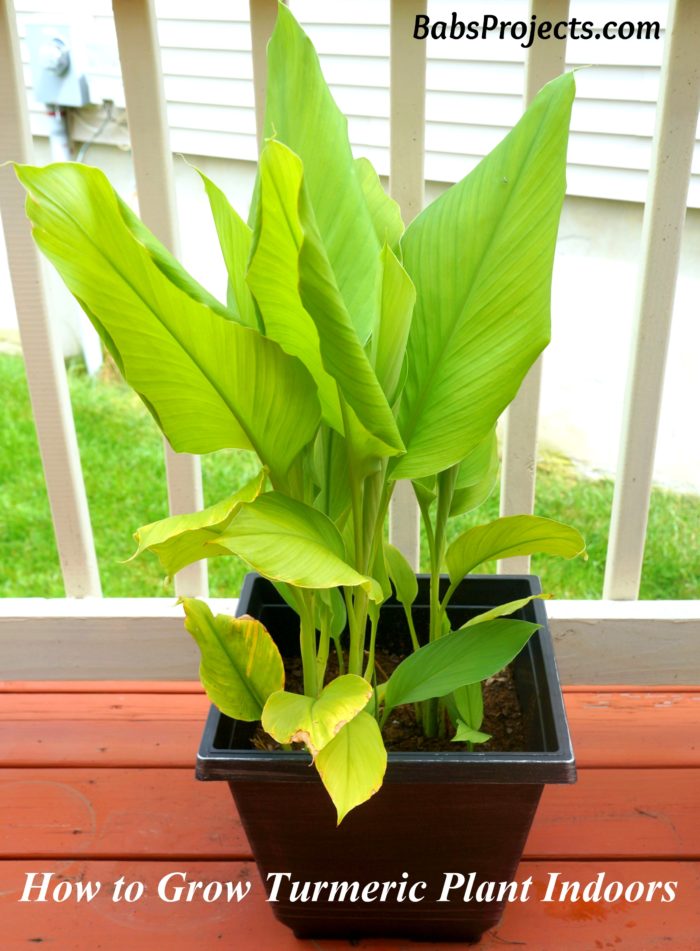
(57, 79)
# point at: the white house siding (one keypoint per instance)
(473, 98)
(474, 87)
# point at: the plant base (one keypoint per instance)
(437, 813)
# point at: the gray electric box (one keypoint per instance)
(56, 76)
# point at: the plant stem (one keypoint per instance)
(307, 641)
(411, 627)
(339, 654)
(356, 646)
(323, 646)
(374, 623)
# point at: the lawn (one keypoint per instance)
(124, 471)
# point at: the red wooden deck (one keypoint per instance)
(98, 783)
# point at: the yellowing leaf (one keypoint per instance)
(352, 766)
(286, 540)
(241, 665)
(182, 539)
(293, 718)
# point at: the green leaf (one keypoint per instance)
(182, 539)
(425, 489)
(331, 474)
(235, 239)
(401, 574)
(384, 211)
(469, 704)
(290, 265)
(301, 113)
(481, 260)
(166, 262)
(332, 599)
(502, 610)
(476, 464)
(398, 297)
(352, 766)
(379, 571)
(476, 477)
(293, 718)
(210, 383)
(240, 665)
(286, 540)
(273, 274)
(512, 535)
(466, 734)
(464, 657)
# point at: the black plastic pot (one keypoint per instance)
(437, 813)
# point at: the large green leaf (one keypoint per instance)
(384, 211)
(353, 764)
(396, 310)
(290, 268)
(512, 535)
(465, 657)
(182, 539)
(286, 540)
(273, 274)
(167, 263)
(210, 383)
(235, 239)
(300, 112)
(293, 718)
(240, 664)
(481, 259)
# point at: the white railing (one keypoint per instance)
(617, 640)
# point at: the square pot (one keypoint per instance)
(437, 812)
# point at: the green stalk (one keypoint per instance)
(339, 654)
(428, 707)
(374, 623)
(411, 627)
(323, 646)
(356, 646)
(307, 642)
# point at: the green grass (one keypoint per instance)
(124, 471)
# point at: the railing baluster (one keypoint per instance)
(408, 64)
(664, 213)
(46, 376)
(544, 61)
(139, 53)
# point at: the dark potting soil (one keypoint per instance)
(503, 717)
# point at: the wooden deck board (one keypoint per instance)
(151, 923)
(608, 814)
(631, 729)
(99, 783)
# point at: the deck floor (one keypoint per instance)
(98, 784)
